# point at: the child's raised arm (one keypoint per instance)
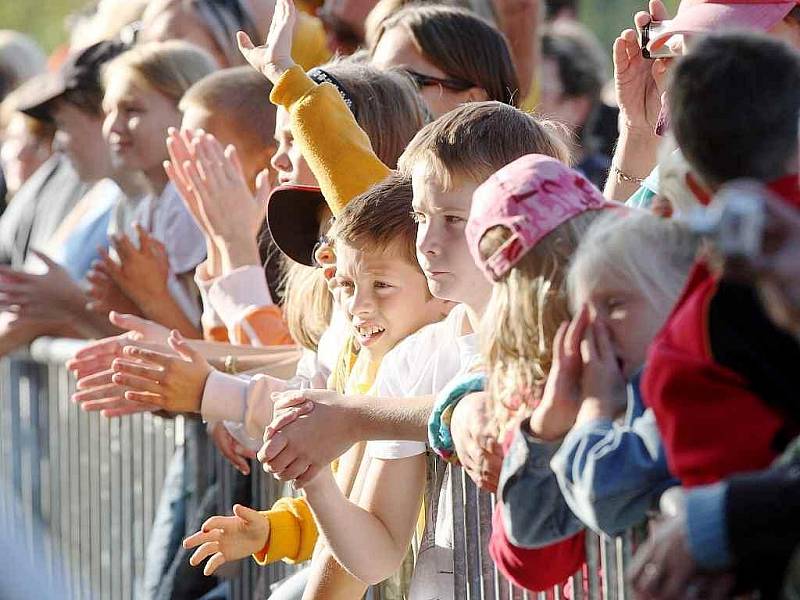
(334, 145)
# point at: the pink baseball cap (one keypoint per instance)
(705, 16)
(530, 196)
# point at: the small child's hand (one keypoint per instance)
(230, 448)
(561, 399)
(602, 383)
(174, 383)
(226, 539)
(275, 56)
(475, 440)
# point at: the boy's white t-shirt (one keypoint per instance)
(422, 365)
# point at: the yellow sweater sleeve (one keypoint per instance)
(337, 150)
(310, 44)
(292, 533)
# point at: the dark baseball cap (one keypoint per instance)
(294, 217)
(79, 72)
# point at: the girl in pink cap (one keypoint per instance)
(525, 224)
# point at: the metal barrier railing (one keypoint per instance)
(93, 485)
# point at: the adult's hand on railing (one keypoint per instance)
(236, 454)
(475, 441)
(227, 539)
(173, 383)
(664, 569)
(310, 429)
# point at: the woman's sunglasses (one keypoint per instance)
(422, 80)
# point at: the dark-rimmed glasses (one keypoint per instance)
(422, 80)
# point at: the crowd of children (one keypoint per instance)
(354, 270)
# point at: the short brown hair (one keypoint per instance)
(461, 44)
(380, 218)
(239, 96)
(479, 138)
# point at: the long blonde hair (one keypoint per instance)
(522, 317)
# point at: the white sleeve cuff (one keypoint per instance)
(394, 450)
(224, 398)
(210, 318)
(238, 292)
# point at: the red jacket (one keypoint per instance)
(712, 423)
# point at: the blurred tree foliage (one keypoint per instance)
(42, 19)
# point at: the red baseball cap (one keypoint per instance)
(705, 16)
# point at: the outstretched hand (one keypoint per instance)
(172, 383)
(226, 539)
(275, 56)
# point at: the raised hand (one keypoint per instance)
(172, 383)
(275, 56)
(561, 399)
(230, 213)
(142, 273)
(226, 539)
(602, 382)
(636, 78)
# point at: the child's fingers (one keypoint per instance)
(108, 346)
(280, 462)
(302, 480)
(575, 332)
(603, 341)
(214, 563)
(128, 322)
(127, 408)
(558, 341)
(137, 383)
(588, 352)
(104, 391)
(95, 380)
(246, 513)
(196, 539)
(148, 398)
(272, 448)
(203, 552)
(291, 398)
(120, 365)
(239, 463)
(151, 356)
(104, 404)
(177, 342)
(285, 417)
(294, 470)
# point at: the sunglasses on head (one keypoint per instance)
(422, 80)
